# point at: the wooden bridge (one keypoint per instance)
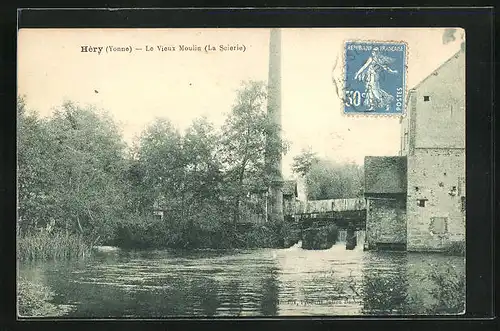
(313, 217)
(344, 213)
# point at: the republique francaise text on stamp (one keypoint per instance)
(374, 77)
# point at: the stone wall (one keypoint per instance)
(435, 199)
(385, 221)
(433, 138)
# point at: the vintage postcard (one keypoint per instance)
(211, 172)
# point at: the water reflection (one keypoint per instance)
(157, 284)
(269, 294)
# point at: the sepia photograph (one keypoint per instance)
(240, 172)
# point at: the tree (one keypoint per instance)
(139, 194)
(244, 138)
(90, 166)
(202, 168)
(330, 180)
(161, 165)
(202, 176)
(326, 179)
(34, 167)
(71, 169)
(303, 162)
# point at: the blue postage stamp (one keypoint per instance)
(375, 77)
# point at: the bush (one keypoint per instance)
(34, 300)
(267, 235)
(449, 289)
(320, 238)
(148, 232)
(47, 245)
(204, 230)
(456, 248)
(256, 236)
(142, 232)
(430, 289)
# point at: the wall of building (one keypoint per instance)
(435, 199)
(433, 138)
(435, 114)
(440, 103)
(407, 134)
(385, 221)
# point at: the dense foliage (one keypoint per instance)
(77, 174)
(326, 179)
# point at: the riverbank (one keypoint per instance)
(148, 233)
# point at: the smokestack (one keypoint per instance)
(274, 162)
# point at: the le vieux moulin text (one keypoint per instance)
(164, 48)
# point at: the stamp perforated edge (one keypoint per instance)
(343, 80)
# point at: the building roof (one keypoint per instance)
(436, 71)
(290, 188)
(385, 174)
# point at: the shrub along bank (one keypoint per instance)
(156, 233)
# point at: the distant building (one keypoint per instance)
(433, 141)
(257, 207)
(418, 198)
(385, 194)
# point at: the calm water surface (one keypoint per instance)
(265, 282)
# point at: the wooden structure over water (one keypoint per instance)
(344, 213)
(316, 216)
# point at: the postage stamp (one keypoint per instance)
(375, 77)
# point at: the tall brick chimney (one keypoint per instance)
(274, 162)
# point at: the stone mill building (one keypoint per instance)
(416, 201)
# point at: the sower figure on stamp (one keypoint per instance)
(369, 73)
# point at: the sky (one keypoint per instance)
(138, 86)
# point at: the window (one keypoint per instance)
(421, 202)
(416, 188)
(463, 204)
(439, 225)
(427, 98)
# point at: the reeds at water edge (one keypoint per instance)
(44, 245)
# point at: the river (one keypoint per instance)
(263, 282)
